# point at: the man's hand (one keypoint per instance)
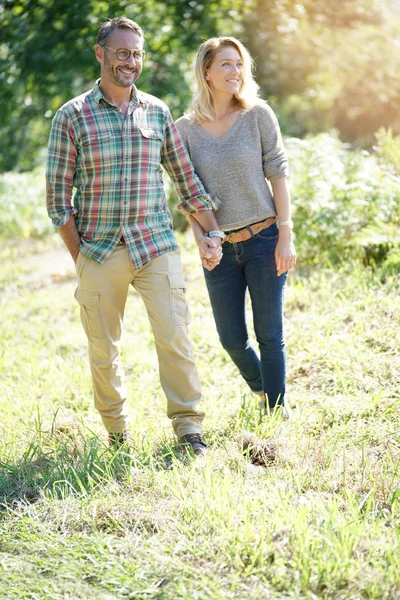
(71, 238)
(210, 252)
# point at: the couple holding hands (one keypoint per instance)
(227, 161)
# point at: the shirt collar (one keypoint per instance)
(137, 96)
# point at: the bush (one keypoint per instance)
(23, 205)
(346, 202)
(388, 150)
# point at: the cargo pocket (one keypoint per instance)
(179, 307)
(90, 313)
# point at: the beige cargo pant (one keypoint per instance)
(102, 293)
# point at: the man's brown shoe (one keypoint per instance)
(195, 441)
(117, 439)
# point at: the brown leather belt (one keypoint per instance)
(248, 232)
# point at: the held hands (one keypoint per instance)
(210, 252)
(285, 253)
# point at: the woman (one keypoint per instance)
(234, 142)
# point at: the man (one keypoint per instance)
(109, 144)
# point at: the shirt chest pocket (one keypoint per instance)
(94, 139)
(151, 134)
(97, 149)
(151, 141)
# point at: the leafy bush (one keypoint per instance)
(388, 150)
(346, 202)
(23, 205)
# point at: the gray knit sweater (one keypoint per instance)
(234, 167)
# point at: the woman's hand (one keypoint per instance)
(210, 252)
(285, 253)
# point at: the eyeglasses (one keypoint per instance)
(125, 53)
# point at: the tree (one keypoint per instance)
(47, 57)
(325, 64)
(321, 65)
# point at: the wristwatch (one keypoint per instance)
(216, 233)
(289, 223)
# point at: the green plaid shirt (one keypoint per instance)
(113, 161)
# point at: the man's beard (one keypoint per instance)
(118, 78)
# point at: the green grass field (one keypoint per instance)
(319, 519)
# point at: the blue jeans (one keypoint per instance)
(251, 266)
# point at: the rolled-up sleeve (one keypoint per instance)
(61, 161)
(175, 159)
(274, 158)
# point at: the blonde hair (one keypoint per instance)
(202, 107)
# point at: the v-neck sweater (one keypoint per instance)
(234, 166)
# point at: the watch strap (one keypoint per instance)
(288, 223)
(216, 233)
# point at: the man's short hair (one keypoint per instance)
(117, 23)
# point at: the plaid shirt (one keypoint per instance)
(114, 163)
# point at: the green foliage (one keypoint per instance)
(47, 57)
(390, 266)
(346, 202)
(388, 150)
(320, 65)
(23, 205)
(328, 64)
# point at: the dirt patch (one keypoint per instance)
(259, 452)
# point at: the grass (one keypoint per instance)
(319, 520)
